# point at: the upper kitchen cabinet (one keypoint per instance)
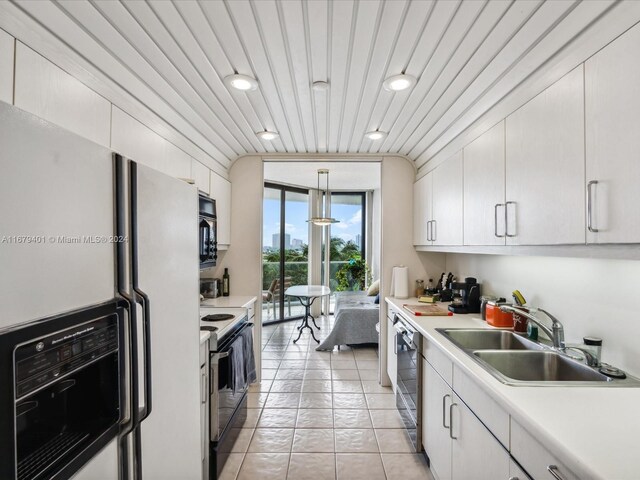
(484, 204)
(612, 106)
(141, 144)
(200, 176)
(51, 93)
(545, 166)
(220, 191)
(6, 67)
(446, 225)
(437, 205)
(422, 191)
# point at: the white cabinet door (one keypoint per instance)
(545, 166)
(476, 454)
(6, 67)
(484, 209)
(437, 397)
(200, 175)
(51, 93)
(220, 191)
(422, 192)
(516, 473)
(612, 99)
(392, 359)
(447, 202)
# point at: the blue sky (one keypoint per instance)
(297, 213)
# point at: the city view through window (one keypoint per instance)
(285, 248)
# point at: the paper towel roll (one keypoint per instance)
(400, 282)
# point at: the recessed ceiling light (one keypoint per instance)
(320, 86)
(267, 135)
(399, 82)
(375, 135)
(241, 82)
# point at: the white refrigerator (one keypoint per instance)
(80, 226)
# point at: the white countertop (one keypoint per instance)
(595, 431)
(232, 301)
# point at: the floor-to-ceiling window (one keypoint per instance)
(285, 250)
(347, 244)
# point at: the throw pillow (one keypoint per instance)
(374, 288)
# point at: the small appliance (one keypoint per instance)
(208, 233)
(466, 296)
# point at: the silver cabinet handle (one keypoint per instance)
(589, 205)
(514, 478)
(495, 220)
(428, 230)
(444, 403)
(451, 421)
(553, 470)
(506, 220)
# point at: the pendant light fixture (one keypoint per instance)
(323, 219)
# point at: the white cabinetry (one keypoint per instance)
(484, 172)
(220, 191)
(200, 176)
(516, 473)
(422, 191)
(457, 443)
(447, 202)
(545, 166)
(49, 92)
(6, 67)
(392, 358)
(612, 100)
(475, 452)
(535, 458)
(437, 205)
(435, 421)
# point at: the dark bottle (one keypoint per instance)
(225, 283)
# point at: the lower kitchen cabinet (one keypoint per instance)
(516, 473)
(475, 453)
(435, 429)
(458, 445)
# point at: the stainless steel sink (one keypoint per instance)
(537, 366)
(483, 339)
(515, 360)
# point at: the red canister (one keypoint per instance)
(498, 318)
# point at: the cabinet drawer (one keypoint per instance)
(534, 457)
(438, 360)
(482, 405)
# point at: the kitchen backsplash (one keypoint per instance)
(589, 296)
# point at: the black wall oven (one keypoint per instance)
(232, 367)
(61, 392)
(208, 232)
(408, 349)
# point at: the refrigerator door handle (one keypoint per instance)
(128, 426)
(140, 297)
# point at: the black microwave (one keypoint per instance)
(208, 242)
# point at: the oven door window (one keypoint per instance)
(229, 397)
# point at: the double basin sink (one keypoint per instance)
(515, 360)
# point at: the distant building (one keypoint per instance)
(275, 242)
(296, 243)
(357, 240)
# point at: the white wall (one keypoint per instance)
(244, 256)
(398, 176)
(595, 297)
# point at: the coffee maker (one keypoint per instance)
(466, 296)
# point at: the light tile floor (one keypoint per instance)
(321, 415)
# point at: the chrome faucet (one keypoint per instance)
(589, 357)
(555, 333)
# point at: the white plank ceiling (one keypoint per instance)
(174, 55)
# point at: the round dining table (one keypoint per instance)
(307, 294)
